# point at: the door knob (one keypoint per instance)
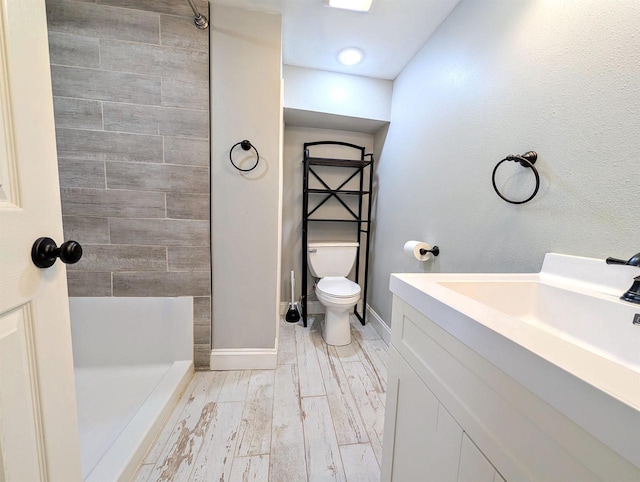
(45, 251)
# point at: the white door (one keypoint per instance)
(38, 422)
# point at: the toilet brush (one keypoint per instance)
(293, 315)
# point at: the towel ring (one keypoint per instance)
(527, 159)
(246, 145)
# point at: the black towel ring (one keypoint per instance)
(526, 160)
(246, 145)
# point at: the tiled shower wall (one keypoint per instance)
(131, 100)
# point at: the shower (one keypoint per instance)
(132, 362)
(200, 20)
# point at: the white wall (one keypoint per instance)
(294, 138)
(501, 77)
(338, 94)
(246, 217)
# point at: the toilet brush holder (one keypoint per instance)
(293, 314)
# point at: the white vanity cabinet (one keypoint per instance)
(451, 415)
(474, 466)
(428, 443)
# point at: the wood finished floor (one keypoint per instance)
(317, 417)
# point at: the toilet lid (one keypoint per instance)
(338, 286)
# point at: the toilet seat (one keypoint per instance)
(338, 288)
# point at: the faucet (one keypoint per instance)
(633, 294)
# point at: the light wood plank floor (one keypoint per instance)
(318, 417)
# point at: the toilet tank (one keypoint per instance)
(331, 258)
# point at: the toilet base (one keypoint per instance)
(336, 329)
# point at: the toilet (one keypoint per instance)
(332, 262)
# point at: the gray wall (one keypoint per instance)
(246, 207)
(131, 100)
(501, 77)
(294, 139)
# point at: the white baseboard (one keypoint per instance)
(313, 308)
(243, 359)
(379, 325)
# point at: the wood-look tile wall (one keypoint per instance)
(131, 99)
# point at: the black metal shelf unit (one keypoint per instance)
(361, 223)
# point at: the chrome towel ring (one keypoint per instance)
(528, 160)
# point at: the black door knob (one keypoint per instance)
(45, 252)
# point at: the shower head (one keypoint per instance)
(200, 20)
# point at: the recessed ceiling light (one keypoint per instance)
(357, 5)
(350, 56)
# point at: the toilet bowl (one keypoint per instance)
(332, 262)
(338, 295)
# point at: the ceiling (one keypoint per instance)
(390, 34)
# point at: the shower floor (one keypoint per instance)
(113, 398)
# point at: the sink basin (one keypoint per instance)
(594, 322)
